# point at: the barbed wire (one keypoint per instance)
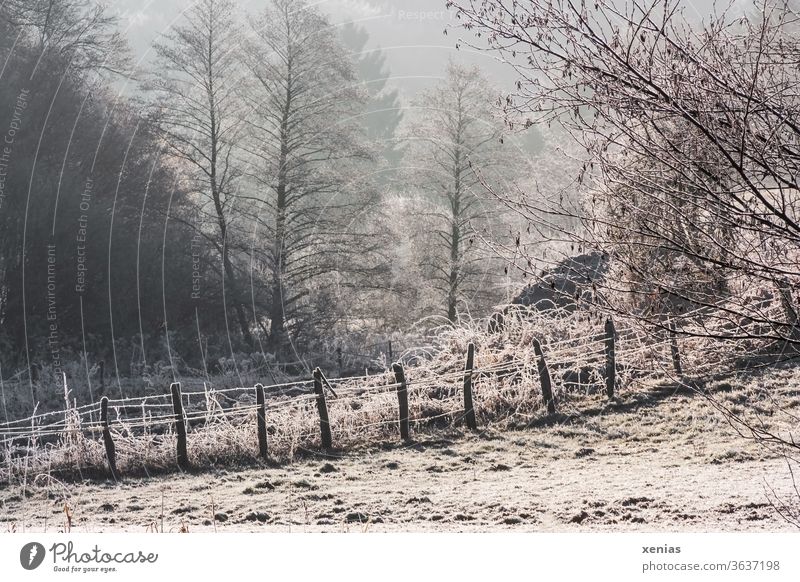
(637, 353)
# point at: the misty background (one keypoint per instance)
(139, 242)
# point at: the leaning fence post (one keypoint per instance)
(676, 355)
(322, 407)
(261, 419)
(544, 378)
(180, 426)
(111, 451)
(402, 396)
(611, 360)
(469, 409)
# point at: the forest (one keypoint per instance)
(255, 196)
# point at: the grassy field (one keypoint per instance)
(658, 459)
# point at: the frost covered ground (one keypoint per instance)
(656, 461)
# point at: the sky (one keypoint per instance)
(410, 32)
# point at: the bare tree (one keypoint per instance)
(455, 142)
(308, 154)
(81, 31)
(195, 103)
(690, 132)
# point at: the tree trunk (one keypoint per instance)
(229, 272)
(455, 234)
(452, 295)
(278, 336)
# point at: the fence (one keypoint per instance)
(401, 400)
(486, 382)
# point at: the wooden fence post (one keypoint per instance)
(469, 409)
(111, 451)
(544, 378)
(261, 419)
(402, 396)
(676, 355)
(322, 407)
(611, 359)
(391, 351)
(180, 426)
(339, 360)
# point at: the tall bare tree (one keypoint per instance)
(195, 103)
(308, 164)
(455, 143)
